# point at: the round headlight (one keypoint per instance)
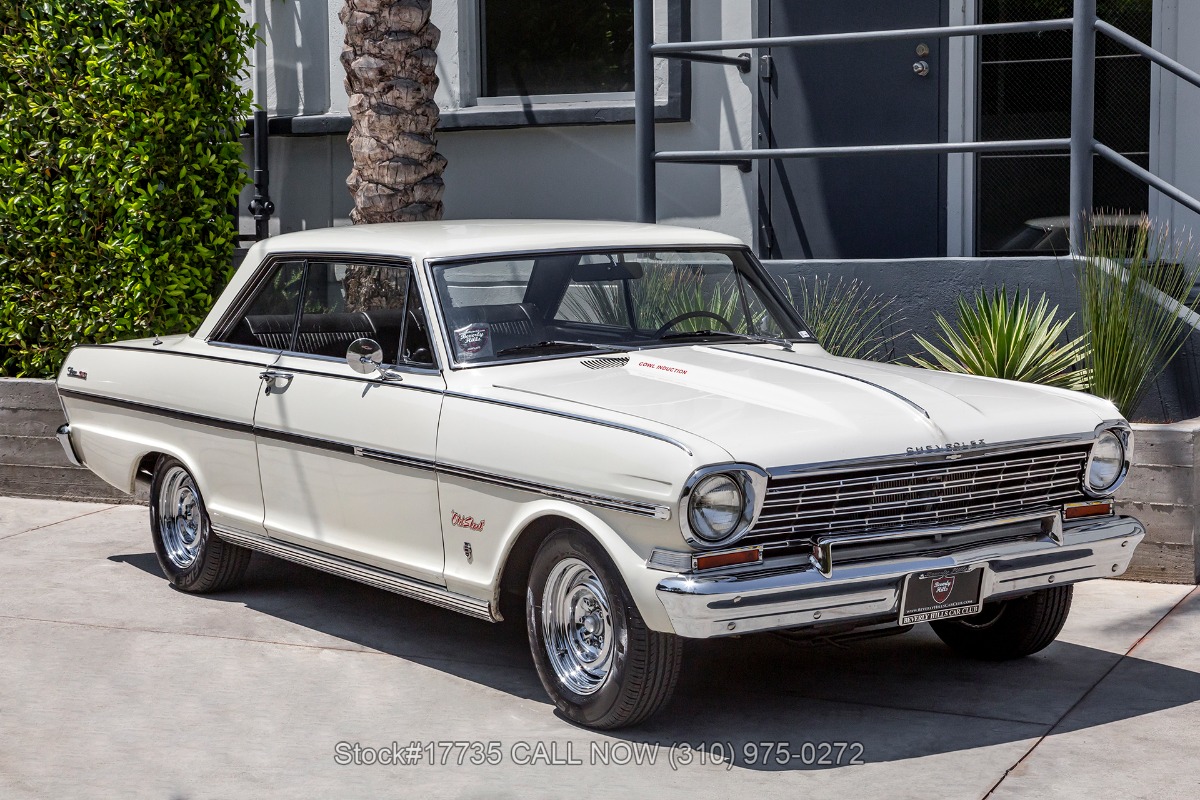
(1106, 466)
(716, 507)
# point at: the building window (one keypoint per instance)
(546, 48)
(1025, 93)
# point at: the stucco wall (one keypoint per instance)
(556, 172)
(1174, 111)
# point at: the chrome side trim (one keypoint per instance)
(884, 389)
(907, 459)
(600, 501)
(567, 415)
(549, 490)
(355, 571)
(640, 508)
(64, 438)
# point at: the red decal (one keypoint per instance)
(942, 587)
(458, 520)
(663, 367)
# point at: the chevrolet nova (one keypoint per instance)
(622, 432)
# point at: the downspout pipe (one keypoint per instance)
(261, 207)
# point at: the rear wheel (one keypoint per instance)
(595, 656)
(192, 558)
(1008, 629)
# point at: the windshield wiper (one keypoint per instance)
(753, 337)
(552, 343)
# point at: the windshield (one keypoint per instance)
(560, 303)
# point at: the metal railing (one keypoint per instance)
(1082, 143)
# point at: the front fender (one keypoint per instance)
(479, 575)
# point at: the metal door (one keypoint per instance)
(890, 92)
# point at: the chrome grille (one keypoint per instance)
(906, 497)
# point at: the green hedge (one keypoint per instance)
(119, 169)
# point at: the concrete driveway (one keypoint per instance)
(114, 685)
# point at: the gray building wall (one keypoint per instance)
(560, 171)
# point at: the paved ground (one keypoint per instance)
(113, 685)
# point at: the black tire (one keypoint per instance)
(191, 556)
(1008, 629)
(644, 665)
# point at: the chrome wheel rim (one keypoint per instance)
(577, 626)
(181, 523)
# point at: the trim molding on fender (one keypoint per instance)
(637, 507)
(362, 573)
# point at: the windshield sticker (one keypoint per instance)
(473, 341)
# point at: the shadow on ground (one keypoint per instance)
(874, 701)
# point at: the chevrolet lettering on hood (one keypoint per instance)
(660, 447)
(949, 447)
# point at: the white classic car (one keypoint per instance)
(623, 432)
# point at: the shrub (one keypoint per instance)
(848, 319)
(1003, 337)
(1134, 285)
(119, 167)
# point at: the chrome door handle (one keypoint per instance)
(270, 376)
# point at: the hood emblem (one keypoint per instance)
(948, 447)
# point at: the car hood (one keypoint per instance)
(767, 406)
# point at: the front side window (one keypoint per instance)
(553, 47)
(560, 303)
(269, 320)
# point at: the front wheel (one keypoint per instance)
(1008, 629)
(192, 558)
(595, 656)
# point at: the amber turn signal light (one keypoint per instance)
(1078, 510)
(748, 555)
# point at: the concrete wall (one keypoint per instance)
(1163, 491)
(32, 462)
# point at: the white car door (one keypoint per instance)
(346, 460)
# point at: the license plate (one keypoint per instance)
(941, 594)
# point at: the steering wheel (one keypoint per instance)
(671, 323)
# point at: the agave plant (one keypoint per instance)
(1134, 285)
(848, 319)
(1004, 337)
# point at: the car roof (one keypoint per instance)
(453, 238)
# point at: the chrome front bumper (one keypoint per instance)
(64, 438)
(702, 607)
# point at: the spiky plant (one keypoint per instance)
(1005, 337)
(848, 318)
(1134, 284)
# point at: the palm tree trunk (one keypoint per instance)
(390, 60)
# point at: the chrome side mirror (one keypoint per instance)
(364, 356)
